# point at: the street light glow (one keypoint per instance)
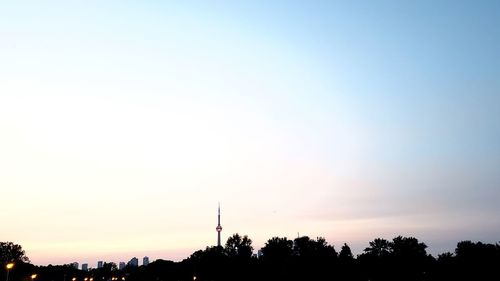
(9, 266)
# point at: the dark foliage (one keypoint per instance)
(10, 252)
(403, 258)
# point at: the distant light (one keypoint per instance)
(10, 265)
(33, 276)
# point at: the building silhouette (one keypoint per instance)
(134, 262)
(218, 228)
(85, 266)
(99, 264)
(122, 265)
(145, 261)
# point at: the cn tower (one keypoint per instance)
(218, 228)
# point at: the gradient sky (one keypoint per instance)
(123, 123)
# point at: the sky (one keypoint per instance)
(124, 123)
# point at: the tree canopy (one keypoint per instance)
(10, 252)
(239, 246)
(402, 258)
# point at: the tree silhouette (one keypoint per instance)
(310, 248)
(402, 258)
(10, 252)
(105, 272)
(403, 247)
(239, 250)
(409, 258)
(238, 246)
(277, 249)
(378, 247)
(477, 261)
(345, 253)
(347, 266)
(208, 264)
(314, 259)
(276, 258)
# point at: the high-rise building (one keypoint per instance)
(99, 264)
(260, 254)
(85, 266)
(134, 262)
(122, 265)
(74, 265)
(145, 261)
(218, 228)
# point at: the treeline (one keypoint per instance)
(402, 258)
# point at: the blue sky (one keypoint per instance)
(348, 120)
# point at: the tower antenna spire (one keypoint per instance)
(219, 227)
